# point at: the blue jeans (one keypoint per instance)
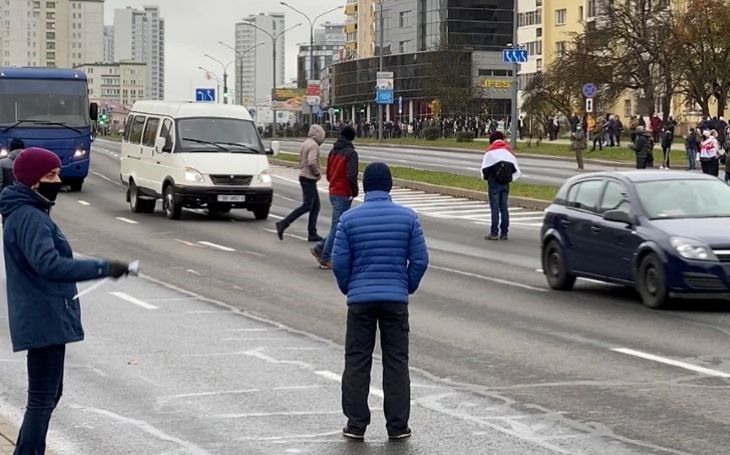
(499, 206)
(340, 204)
(45, 386)
(692, 159)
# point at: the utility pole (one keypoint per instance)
(381, 23)
(515, 83)
(225, 76)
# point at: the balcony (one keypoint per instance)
(351, 27)
(351, 9)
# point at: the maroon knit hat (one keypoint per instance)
(33, 163)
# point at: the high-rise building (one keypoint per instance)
(61, 33)
(139, 35)
(254, 69)
(122, 83)
(108, 44)
(329, 40)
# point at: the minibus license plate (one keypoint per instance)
(227, 198)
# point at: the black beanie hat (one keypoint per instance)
(377, 177)
(348, 133)
(496, 136)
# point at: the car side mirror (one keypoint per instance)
(160, 144)
(275, 147)
(94, 111)
(619, 216)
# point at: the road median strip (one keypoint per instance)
(521, 194)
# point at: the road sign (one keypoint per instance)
(313, 100)
(589, 105)
(590, 90)
(514, 55)
(384, 96)
(384, 80)
(205, 95)
(314, 88)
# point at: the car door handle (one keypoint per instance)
(565, 222)
(596, 229)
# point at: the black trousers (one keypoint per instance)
(45, 387)
(362, 320)
(711, 166)
(310, 203)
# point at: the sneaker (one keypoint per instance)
(325, 265)
(403, 434)
(491, 237)
(351, 433)
(504, 237)
(280, 230)
(315, 238)
(316, 253)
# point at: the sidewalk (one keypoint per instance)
(8, 434)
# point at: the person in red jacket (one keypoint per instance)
(342, 170)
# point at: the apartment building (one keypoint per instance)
(139, 35)
(120, 83)
(59, 33)
(108, 56)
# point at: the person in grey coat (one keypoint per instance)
(6, 164)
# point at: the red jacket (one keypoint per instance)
(342, 169)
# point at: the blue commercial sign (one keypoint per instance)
(204, 95)
(514, 55)
(385, 96)
(590, 90)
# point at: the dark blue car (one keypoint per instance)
(665, 233)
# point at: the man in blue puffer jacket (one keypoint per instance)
(379, 259)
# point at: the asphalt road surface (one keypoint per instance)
(248, 360)
(543, 171)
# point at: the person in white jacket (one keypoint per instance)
(709, 154)
(499, 169)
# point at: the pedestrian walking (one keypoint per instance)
(379, 259)
(41, 275)
(597, 134)
(656, 127)
(342, 170)
(7, 177)
(643, 148)
(667, 140)
(578, 142)
(499, 169)
(709, 154)
(309, 175)
(692, 146)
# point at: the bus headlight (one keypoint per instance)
(79, 153)
(3, 152)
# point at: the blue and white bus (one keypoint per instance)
(49, 108)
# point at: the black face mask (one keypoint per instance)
(49, 190)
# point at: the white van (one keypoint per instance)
(195, 155)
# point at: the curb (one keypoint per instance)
(524, 202)
(618, 164)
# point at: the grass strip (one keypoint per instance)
(518, 189)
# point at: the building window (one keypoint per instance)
(539, 64)
(561, 16)
(51, 5)
(591, 8)
(404, 46)
(560, 47)
(580, 13)
(403, 19)
(538, 32)
(627, 108)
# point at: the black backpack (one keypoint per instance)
(503, 172)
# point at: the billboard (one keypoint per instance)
(288, 99)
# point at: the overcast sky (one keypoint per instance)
(194, 28)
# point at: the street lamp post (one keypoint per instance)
(312, 22)
(225, 75)
(274, 39)
(381, 23)
(515, 82)
(240, 55)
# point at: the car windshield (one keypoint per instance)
(43, 103)
(210, 134)
(690, 198)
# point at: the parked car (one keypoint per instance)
(665, 233)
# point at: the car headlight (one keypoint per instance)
(79, 153)
(692, 249)
(192, 175)
(264, 178)
(3, 152)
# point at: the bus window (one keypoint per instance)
(135, 135)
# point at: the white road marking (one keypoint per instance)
(84, 203)
(285, 198)
(276, 217)
(185, 242)
(102, 176)
(253, 253)
(126, 220)
(488, 278)
(194, 272)
(134, 300)
(674, 363)
(216, 246)
(336, 377)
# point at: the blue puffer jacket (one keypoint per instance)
(41, 273)
(380, 252)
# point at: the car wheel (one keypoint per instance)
(261, 213)
(173, 210)
(651, 282)
(555, 267)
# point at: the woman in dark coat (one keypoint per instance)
(41, 275)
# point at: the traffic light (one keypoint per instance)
(103, 119)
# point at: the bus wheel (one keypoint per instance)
(76, 185)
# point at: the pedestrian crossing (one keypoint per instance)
(435, 205)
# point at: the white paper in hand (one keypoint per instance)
(91, 288)
(134, 268)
